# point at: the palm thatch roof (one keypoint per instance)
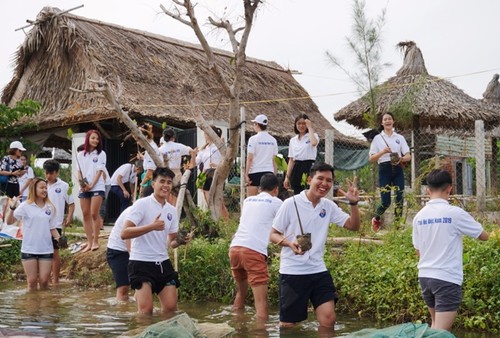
(491, 98)
(422, 100)
(65, 51)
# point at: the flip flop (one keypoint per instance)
(75, 247)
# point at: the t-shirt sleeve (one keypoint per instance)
(53, 219)
(316, 136)
(373, 146)
(101, 165)
(338, 216)
(20, 211)
(31, 174)
(467, 225)
(185, 150)
(175, 224)
(136, 213)
(275, 147)
(404, 146)
(251, 145)
(68, 197)
(282, 219)
(291, 145)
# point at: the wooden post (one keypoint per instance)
(242, 157)
(494, 166)
(480, 165)
(178, 207)
(329, 152)
(413, 166)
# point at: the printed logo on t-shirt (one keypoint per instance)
(48, 212)
(58, 190)
(398, 141)
(95, 159)
(322, 214)
(169, 216)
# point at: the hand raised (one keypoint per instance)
(158, 224)
(352, 190)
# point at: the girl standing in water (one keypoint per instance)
(91, 164)
(39, 226)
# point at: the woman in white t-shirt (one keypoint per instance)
(25, 180)
(39, 226)
(207, 159)
(91, 165)
(302, 152)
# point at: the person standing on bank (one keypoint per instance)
(248, 250)
(390, 150)
(261, 150)
(39, 227)
(126, 173)
(303, 273)
(302, 152)
(438, 229)
(91, 162)
(152, 224)
(26, 179)
(12, 167)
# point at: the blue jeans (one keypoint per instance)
(124, 202)
(390, 176)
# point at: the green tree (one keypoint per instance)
(14, 121)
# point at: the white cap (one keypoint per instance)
(261, 119)
(17, 145)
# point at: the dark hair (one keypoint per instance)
(146, 191)
(12, 151)
(86, 144)
(262, 126)
(300, 116)
(79, 148)
(217, 130)
(163, 171)
(268, 182)
(51, 166)
(439, 179)
(168, 134)
(321, 166)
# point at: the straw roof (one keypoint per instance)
(431, 101)
(64, 50)
(491, 98)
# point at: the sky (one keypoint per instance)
(458, 38)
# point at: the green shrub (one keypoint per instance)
(10, 258)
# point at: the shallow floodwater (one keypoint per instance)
(67, 311)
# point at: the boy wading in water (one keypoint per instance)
(152, 224)
(437, 236)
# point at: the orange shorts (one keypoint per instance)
(248, 264)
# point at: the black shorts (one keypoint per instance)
(28, 256)
(255, 178)
(12, 189)
(440, 295)
(299, 169)
(55, 243)
(297, 290)
(157, 274)
(118, 262)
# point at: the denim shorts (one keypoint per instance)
(90, 194)
(27, 256)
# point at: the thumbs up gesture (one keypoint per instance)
(158, 224)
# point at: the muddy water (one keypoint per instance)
(66, 311)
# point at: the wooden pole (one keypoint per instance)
(480, 165)
(329, 155)
(242, 157)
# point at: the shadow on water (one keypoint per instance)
(66, 311)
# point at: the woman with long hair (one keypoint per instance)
(302, 153)
(390, 150)
(39, 226)
(91, 168)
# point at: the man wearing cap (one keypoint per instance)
(261, 150)
(12, 167)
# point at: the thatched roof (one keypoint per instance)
(491, 98)
(419, 97)
(65, 50)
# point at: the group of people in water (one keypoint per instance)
(137, 249)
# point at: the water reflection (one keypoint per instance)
(66, 311)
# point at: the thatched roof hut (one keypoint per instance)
(65, 51)
(422, 99)
(491, 98)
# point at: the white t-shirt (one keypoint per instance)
(315, 220)
(115, 240)
(148, 162)
(127, 172)
(174, 152)
(302, 150)
(209, 155)
(90, 164)
(22, 180)
(152, 247)
(58, 195)
(263, 147)
(396, 142)
(437, 233)
(255, 222)
(37, 223)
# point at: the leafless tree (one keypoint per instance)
(184, 12)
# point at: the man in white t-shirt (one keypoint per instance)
(303, 273)
(152, 224)
(248, 250)
(437, 236)
(126, 173)
(261, 150)
(58, 193)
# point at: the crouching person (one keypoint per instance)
(152, 224)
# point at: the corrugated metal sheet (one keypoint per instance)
(460, 147)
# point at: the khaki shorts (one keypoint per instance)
(247, 264)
